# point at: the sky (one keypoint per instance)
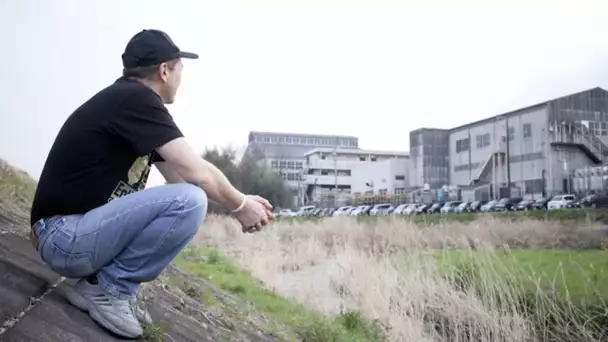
(374, 69)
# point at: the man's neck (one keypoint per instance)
(150, 84)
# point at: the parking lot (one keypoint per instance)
(514, 204)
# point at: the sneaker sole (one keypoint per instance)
(85, 305)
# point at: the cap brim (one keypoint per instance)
(189, 55)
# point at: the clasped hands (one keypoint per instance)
(255, 214)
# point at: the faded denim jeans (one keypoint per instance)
(127, 241)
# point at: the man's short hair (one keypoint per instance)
(147, 72)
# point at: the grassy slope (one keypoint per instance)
(309, 325)
(16, 187)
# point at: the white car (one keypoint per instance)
(560, 201)
(360, 210)
(449, 207)
(400, 208)
(411, 209)
(342, 211)
(286, 213)
(382, 209)
(306, 210)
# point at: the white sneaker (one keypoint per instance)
(142, 315)
(112, 313)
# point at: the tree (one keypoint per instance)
(250, 175)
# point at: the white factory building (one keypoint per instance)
(345, 172)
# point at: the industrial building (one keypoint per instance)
(336, 174)
(285, 154)
(537, 149)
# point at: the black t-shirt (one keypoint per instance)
(104, 150)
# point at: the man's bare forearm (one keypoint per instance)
(192, 168)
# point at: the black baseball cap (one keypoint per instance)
(150, 47)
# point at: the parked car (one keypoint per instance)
(361, 210)
(286, 213)
(476, 206)
(435, 208)
(541, 203)
(462, 207)
(594, 201)
(400, 208)
(421, 209)
(506, 204)
(488, 207)
(342, 211)
(524, 205)
(411, 209)
(382, 209)
(449, 207)
(561, 201)
(305, 210)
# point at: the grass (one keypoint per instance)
(16, 187)
(535, 276)
(581, 276)
(309, 325)
(553, 287)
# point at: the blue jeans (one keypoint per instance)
(127, 241)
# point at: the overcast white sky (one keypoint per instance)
(375, 69)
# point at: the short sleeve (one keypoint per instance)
(144, 122)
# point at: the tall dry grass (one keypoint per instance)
(380, 270)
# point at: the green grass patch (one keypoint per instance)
(556, 288)
(580, 275)
(309, 325)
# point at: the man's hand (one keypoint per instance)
(253, 216)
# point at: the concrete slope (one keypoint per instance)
(25, 316)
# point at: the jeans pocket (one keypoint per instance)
(58, 253)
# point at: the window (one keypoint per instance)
(483, 140)
(527, 130)
(511, 133)
(323, 156)
(274, 164)
(399, 177)
(373, 159)
(288, 140)
(382, 192)
(362, 158)
(462, 145)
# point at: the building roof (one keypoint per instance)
(514, 112)
(357, 152)
(282, 151)
(522, 110)
(302, 135)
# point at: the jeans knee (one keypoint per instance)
(195, 205)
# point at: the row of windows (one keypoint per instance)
(329, 172)
(598, 128)
(287, 164)
(290, 176)
(295, 140)
(323, 156)
(513, 159)
(483, 140)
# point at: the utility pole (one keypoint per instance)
(508, 156)
(336, 173)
